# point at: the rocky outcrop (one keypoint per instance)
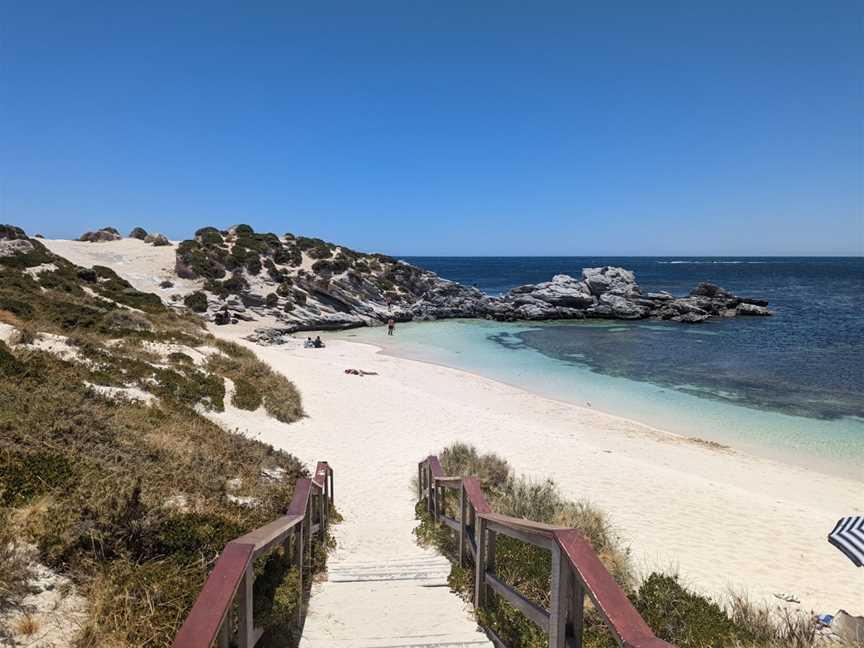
(612, 293)
(157, 239)
(101, 235)
(310, 284)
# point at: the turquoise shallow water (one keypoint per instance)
(756, 426)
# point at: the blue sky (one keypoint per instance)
(442, 127)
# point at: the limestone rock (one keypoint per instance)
(101, 235)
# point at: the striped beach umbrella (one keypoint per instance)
(848, 537)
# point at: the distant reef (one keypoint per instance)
(309, 284)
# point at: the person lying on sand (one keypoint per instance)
(360, 372)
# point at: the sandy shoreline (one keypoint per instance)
(723, 519)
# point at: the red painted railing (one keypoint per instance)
(232, 577)
(576, 570)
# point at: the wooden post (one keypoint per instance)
(299, 558)
(245, 634)
(419, 482)
(430, 504)
(442, 509)
(225, 631)
(491, 542)
(558, 607)
(462, 525)
(322, 503)
(575, 609)
(480, 563)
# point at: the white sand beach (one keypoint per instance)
(722, 519)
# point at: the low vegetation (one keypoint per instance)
(109, 468)
(675, 613)
(230, 261)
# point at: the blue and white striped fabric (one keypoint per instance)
(848, 537)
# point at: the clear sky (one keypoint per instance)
(467, 127)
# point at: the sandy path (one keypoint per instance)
(724, 520)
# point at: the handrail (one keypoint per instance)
(576, 569)
(232, 577)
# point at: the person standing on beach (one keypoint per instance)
(391, 324)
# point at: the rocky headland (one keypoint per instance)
(310, 284)
(295, 283)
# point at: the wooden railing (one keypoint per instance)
(576, 569)
(231, 581)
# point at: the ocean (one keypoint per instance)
(789, 387)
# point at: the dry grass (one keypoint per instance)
(15, 565)
(27, 625)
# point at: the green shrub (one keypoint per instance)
(24, 476)
(246, 395)
(208, 236)
(288, 255)
(243, 230)
(179, 357)
(684, 618)
(253, 265)
(196, 301)
(271, 300)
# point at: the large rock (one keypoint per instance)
(617, 281)
(101, 235)
(157, 239)
(746, 308)
(138, 233)
(564, 291)
(621, 307)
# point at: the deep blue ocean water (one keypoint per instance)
(808, 360)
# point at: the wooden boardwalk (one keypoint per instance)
(378, 601)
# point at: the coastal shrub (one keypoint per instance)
(235, 284)
(196, 301)
(253, 265)
(272, 299)
(285, 289)
(300, 297)
(279, 396)
(243, 230)
(190, 387)
(24, 476)
(246, 395)
(684, 618)
(288, 255)
(385, 284)
(178, 357)
(203, 262)
(208, 236)
(122, 320)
